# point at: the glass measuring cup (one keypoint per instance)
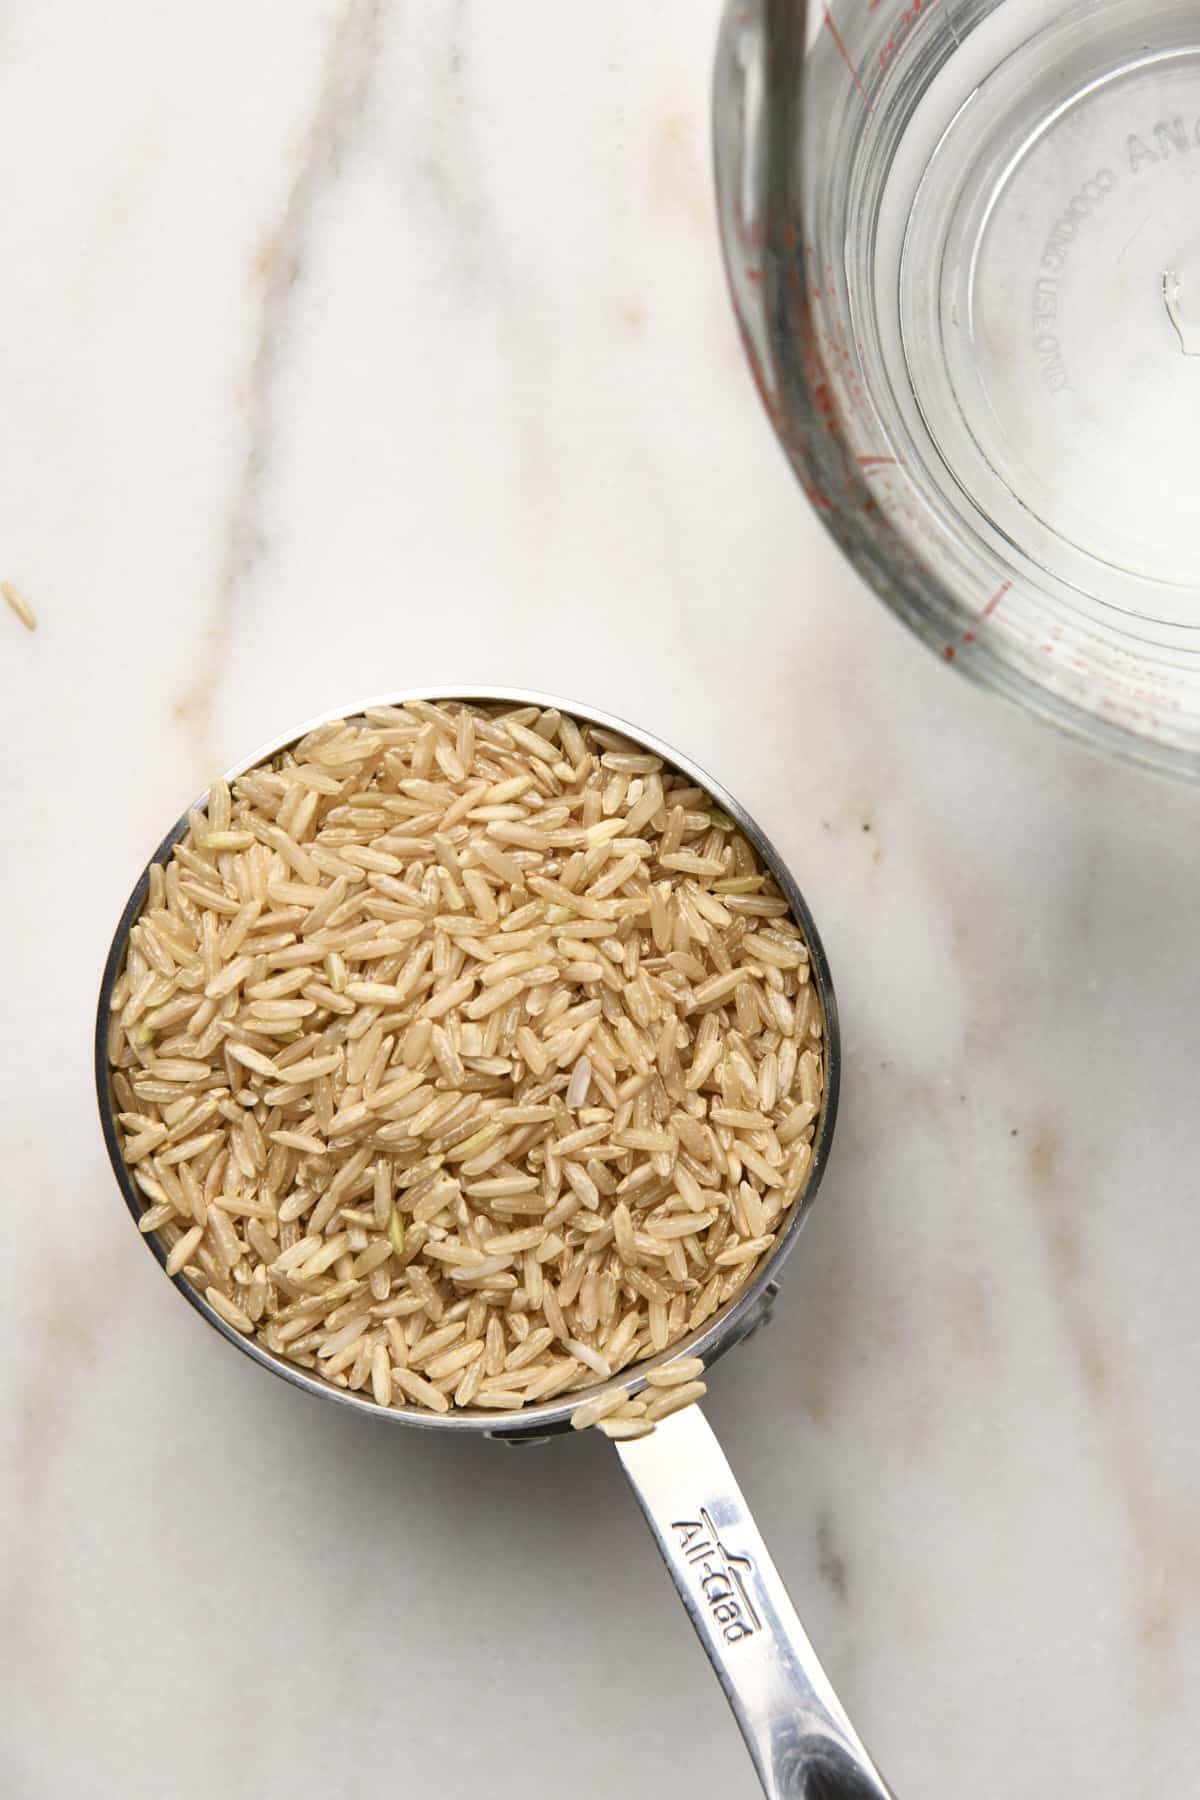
(798, 1735)
(963, 243)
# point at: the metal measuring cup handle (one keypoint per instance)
(802, 1744)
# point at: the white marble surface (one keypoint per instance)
(347, 346)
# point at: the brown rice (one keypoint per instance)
(468, 1056)
(19, 605)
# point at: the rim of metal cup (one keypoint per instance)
(716, 1335)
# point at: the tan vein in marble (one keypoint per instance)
(1168, 1562)
(278, 268)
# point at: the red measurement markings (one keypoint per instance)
(907, 22)
(838, 39)
(968, 637)
(874, 462)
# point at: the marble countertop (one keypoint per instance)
(354, 346)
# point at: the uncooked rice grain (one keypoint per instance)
(19, 605)
(469, 1057)
(673, 1399)
(625, 1428)
(673, 1374)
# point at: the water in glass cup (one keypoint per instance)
(1042, 228)
(964, 239)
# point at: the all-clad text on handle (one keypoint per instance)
(803, 1745)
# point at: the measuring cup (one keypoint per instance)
(963, 244)
(800, 1739)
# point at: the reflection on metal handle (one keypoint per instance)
(804, 1747)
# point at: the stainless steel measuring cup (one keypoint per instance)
(800, 1739)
